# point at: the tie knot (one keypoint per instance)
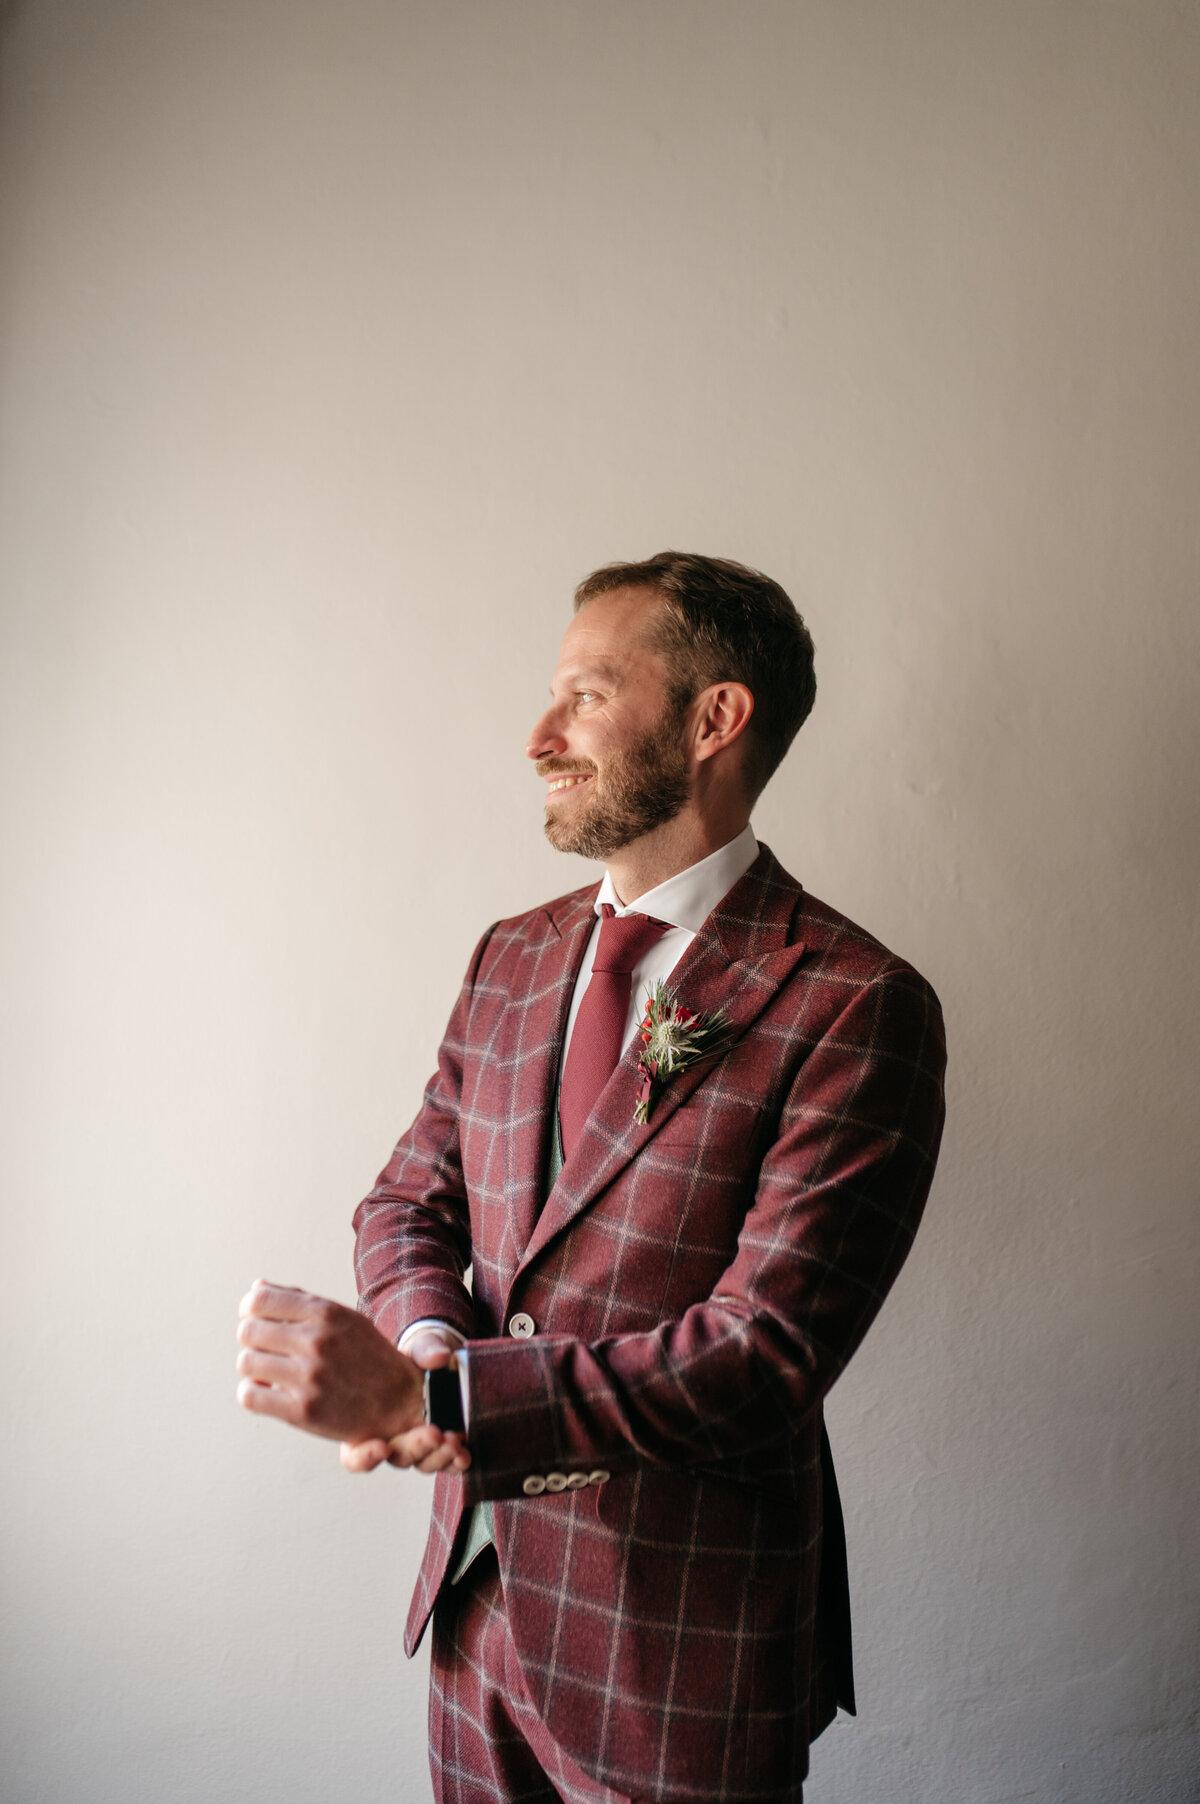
(624, 938)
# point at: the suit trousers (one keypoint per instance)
(487, 1744)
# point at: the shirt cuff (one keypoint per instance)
(462, 1360)
(427, 1321)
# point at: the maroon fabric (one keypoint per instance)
(599, 1032)
(696, 1285)
(487, 1744)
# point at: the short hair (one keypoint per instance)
(723, 622)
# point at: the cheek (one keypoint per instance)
(605, 762)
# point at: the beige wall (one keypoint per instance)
(338, 341)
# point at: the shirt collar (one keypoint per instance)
(689, 897)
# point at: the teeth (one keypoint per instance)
(566, 783)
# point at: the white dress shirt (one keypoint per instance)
(686, 901)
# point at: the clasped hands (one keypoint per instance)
(327, 1369)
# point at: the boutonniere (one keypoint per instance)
(674, 1038)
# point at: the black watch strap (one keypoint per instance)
(443, 1399)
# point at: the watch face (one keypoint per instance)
(443, 1400)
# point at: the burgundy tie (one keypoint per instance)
(598, 1036)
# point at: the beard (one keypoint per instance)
(638, 790)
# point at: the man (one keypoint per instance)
(636, 1566)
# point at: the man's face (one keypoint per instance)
(612, 744)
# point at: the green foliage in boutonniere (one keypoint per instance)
(674, 1038)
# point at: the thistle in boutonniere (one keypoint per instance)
(674, 1038)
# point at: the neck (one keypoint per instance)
(675, 846)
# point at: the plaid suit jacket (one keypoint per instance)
(696, 1285)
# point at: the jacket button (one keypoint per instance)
(556, 1481)
(576, 1481)
(534, 1485)
(599, 1477)
(521, 1326)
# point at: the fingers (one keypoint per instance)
(279, 1302)
(265, 1368)
(425, 1450)
(267, 1336)
(428, 1450)
(445, 1459)
(269, 1400)
(364, 1456)
(416, 1444)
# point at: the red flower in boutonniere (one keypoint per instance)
(674, 1038)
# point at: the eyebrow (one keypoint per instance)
(610, 673)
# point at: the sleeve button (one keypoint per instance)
(534, 1485)
(599, 1476)
(576, 1481)
(556, 1481)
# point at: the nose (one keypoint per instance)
(546, 740)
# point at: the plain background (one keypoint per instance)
(339, 340)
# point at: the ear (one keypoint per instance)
(722, 715)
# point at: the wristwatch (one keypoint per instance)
(443, 1399)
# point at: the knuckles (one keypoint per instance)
(311, 1404)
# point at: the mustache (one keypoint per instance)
(564, 767)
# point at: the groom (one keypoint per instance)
(679, 1226)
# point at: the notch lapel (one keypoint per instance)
(737, 962)
(543, 984)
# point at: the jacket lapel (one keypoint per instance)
(544, 981)
(737, 962)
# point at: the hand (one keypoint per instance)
(432, 1346)
(426, 1449)
(324, 1368)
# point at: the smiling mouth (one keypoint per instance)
(557, 784)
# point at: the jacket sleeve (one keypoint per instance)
(838, 1199)
(413, 1235)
